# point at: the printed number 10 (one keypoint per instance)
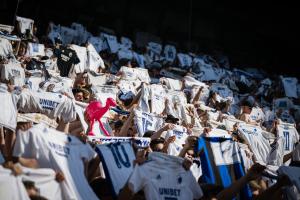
(287, 140)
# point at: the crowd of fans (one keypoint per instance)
(189, 125)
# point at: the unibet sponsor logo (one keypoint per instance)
(48, 104)
(169, 192)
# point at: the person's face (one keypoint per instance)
(79, 96)
(246, 109)
(82, 80)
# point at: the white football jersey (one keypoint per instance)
(220, 133)
(35, 49)
(105, 91)
(94, 61)
(60, 152)
(11, 186)
(82, 55)
(118, 159)
(257, 114)
(44, 181)
(8, 117)
(158, 94)
(14, 73)
(25, 23)
(146, 122)
(282, 103)
(290, 134)
(163, 177)
(172, 84)
(290, 86)
(181, 135)
(276, 154)
(170, 53)
(51, 104)
(259, 144)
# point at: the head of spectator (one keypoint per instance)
(171, 119)
(78, 94)
(157, 145)
(246, 107)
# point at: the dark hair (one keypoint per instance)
(157, 141)
(77, 90)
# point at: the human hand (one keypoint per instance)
(187, 163)
(171, 139)
(168, 127)
(59, 177)
(24, 126)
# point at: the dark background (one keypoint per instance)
(252, 34)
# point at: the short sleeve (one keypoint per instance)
(195, 187)
(136, 181)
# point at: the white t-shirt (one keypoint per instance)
(282, 103)
(290, 86)
(259, 144)
(154, 47)
(126, 43)
(117, 160)
(60, 152)
(257, 114)
(8, 117)
(290, 134)
(105, 91)
(181, 135)
(170, 53)
(5, 47)
(110, 42)
(222, 90)
(51, 104)
(128, 73)
(163, 177)
(44, 181)
(125, 54)
(24, 24)
(140, 59)
(93, 58)
(158, 94)
(220, 133)
(172, 84)
(184, 60)
(34, 81)
(35, 49)
(11, 187)
(276, 154)
(14, 73)
(82, 55)
(146, 122)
